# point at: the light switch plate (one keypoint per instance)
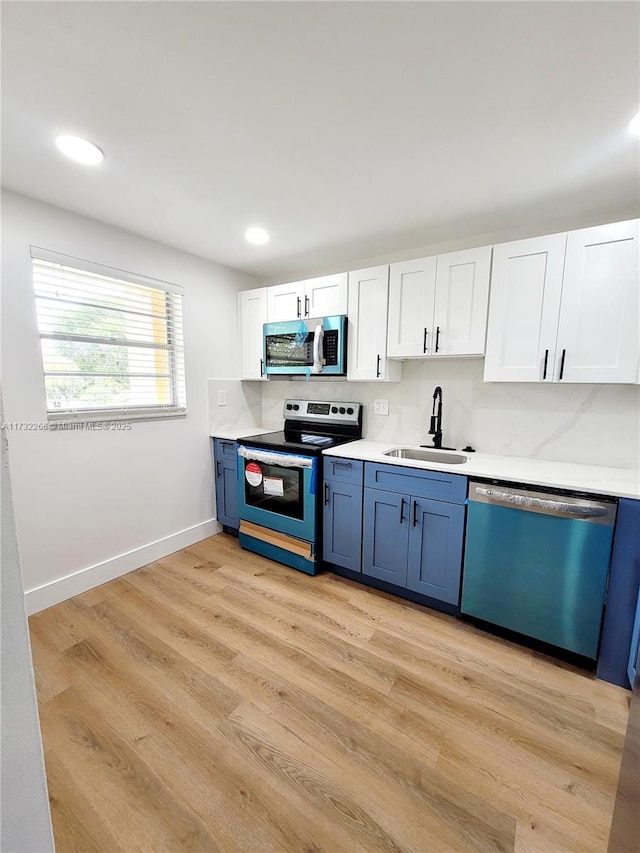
(380, 407)
(222, 397)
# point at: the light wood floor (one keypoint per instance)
(216, 701)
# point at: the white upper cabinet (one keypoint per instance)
(526, 283)
(462, 296)
(438, 305)
(252, 310)
(285, 301)
(412, 296)
(367, 331)
(598, 334)
(325, 296)
(564, 308)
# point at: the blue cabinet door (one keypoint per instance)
(226, 483)
(342, 524)
(435, 549)
(386, 536)
(634, 651)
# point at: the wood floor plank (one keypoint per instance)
(77, 824)
(370, 759)
(226, 794)
(246, 675)
(215, 700)
(139, 810)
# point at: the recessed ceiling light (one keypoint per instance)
(80, 150)
(634, 125)
(256, 235)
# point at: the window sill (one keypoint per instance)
(108, 420)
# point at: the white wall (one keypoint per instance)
(25, 825)
(109, 501)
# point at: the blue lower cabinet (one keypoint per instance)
(414, 539)
(342, 525)
(622, 595)
(435, 549)
(385, 546)
(342, 512)
(226, 482)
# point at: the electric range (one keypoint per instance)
(280, 476)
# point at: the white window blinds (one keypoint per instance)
(112, 345)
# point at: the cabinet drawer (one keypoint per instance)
(224, 448)
(414, 481)
(343, 470)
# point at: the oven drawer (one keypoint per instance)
(340, 470)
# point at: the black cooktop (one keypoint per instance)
(311, 426)
(294, 441)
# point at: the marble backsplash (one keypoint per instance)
(242, 407)
(592, 424)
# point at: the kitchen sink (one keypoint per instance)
(441, 456)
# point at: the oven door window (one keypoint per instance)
(276, 488)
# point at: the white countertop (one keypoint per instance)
(619, 482)
(233, 433)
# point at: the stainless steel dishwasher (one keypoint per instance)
(538, 563)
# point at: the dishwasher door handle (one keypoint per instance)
(527, 502)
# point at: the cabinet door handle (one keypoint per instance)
(378, 367)
(564, 352)
(546, 361)
(299, 310)
(415, 513)
(261, 367)
(306, 306)
(326, 493)
(437, 338)
(217, 467)
(401, 510)
(424, 342)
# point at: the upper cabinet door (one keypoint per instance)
(367, 332)
(412, 291)
(286, 301)
(598, 332)
(526, 285)
(462, 296)
(252, 307)
(326, 296)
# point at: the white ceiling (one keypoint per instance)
(347, 129)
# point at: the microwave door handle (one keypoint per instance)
(318, 338)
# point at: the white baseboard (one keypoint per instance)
(59, 590)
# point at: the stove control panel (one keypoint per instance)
(322, 411)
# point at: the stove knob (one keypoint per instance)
(334, 410)
(289, 406)
(349, 411)
(295, 407)
(342, 410)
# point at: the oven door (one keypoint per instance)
(278, 491)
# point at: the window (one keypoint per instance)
(111, 342)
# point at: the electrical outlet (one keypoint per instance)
(222, 398)
(380, 407)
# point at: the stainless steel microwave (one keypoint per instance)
(314, 346)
